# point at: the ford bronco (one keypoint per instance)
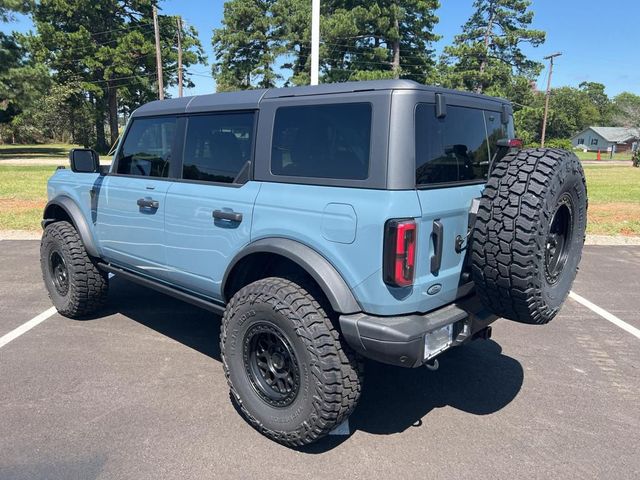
(386, 219)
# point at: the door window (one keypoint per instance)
(148, 147)
(322, 141)
(217, 146)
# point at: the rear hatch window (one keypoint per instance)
(457, 148)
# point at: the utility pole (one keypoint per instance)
(179, 56)
(158, 54)
(546, 100)
(315, 40)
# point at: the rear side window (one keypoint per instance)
(148, 147)
(496, 130)
(218, 146)
(450, 149)
(322, 141)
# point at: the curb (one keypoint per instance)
(20, 235)
(590, 240)
(611, 240)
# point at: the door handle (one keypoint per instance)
(224, 215)
(437, 235)
(148, 203)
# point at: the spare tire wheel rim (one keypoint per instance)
(271, 365)
(59, 273)
(559, 239)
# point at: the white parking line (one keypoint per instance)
(25, 327)
(606, 315)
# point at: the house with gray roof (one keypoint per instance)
(607, 139)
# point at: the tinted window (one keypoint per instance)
(217, 146)
(450, 149)
(147, 147)
(325, 141)
(496, 130)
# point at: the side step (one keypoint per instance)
(164, 288)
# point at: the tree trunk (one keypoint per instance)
(101, 140)
(487, 38)
(112, 99)
(395, 48)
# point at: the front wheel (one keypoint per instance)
(289, 372)
(75, 284)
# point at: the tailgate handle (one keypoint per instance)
(437, 236)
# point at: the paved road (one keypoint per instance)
(139, 393)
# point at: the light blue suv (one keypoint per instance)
(386, 220)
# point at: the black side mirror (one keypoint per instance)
(84, 160)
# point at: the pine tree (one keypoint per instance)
(244, 46)
(107, 47)
(382, 39)
(488, 51)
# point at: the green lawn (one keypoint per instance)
(614, 198)
(23, 194)
(50, 150)
(604, 155)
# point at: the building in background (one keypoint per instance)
(607, 139)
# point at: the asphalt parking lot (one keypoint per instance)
(139, 392)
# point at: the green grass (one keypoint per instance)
(50, 150)
(23, 194)
(614, 198)
(605, 155)
(613, 183)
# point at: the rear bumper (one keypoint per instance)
(400, 340)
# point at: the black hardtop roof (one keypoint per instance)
(250, 99)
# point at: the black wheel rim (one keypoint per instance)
(559, 239)
(59, 272)
(271, 365)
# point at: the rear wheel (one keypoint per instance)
(289, 372)
(75, 284)
(529, 234)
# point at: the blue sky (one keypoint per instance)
(598, 38)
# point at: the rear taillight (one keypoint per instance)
(510, 143)
(399, 252)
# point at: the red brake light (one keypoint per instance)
(515, 143)
(399, 252)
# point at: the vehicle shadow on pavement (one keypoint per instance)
(477, 378)
(192, 326)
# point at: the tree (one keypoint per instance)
(21, 78)
(360, 40)
(626, 108)
(488, 51)
(599, 99)
(244, 46)
(383, 39)
(107, 47)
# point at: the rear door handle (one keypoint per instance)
(148, 203)
(226, 215)
(437, 235)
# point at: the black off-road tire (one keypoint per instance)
(329, 377)
(515, 238)
(86, 285)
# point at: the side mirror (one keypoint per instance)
(84, 160)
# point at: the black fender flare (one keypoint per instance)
(77, 218)
(319, 268)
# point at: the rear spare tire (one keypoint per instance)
(529, 233)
